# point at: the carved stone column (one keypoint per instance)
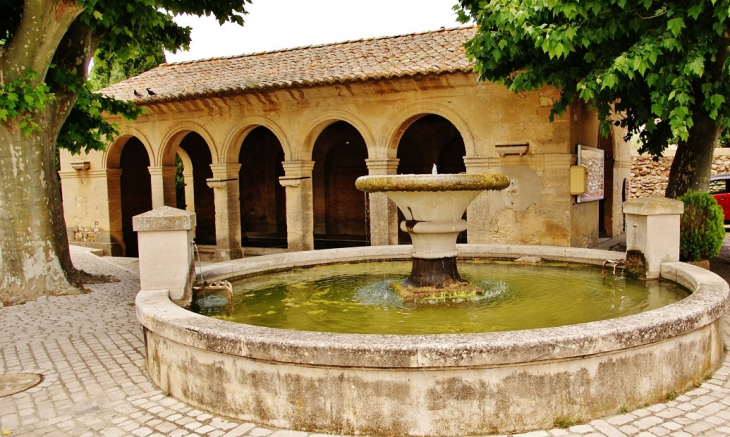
(227, 211)
(383, 212)
(163, 186)
(299, 211)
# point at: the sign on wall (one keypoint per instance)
(593, 160)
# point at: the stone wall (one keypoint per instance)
(649, 177)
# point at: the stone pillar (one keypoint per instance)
(478, 212)
(165, 238)
(189, 190)
(114, 196)
(227, 211)
(299, 211)
(652, 232)
(383, 212)
(163, 185)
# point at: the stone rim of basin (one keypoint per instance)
(430, 182)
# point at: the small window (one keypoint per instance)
(718, 186)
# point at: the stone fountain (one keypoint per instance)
(430, 384)
(433, 206)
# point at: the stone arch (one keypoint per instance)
(129, 191)
(171, 141)
(262, 199)
(231, 148)
(319, 123)
(395, 131)
(339, 209)
(110, 158)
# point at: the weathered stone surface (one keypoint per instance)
(433, 384)
(165, 218)
(438, 182)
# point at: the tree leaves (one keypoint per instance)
(22, 98)
(641, 61)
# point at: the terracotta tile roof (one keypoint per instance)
(435, 52)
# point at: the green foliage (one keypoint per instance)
(179, 183)
(651, 64)
(109, 69)
(565, 423)
(702, 229)
(724, 140)
(120, 29)
(22, 98)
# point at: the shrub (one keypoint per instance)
(702, 229)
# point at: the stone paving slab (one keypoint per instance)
(90, 351)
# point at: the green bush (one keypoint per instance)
(702, 229)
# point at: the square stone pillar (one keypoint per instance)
(383, 212)
(227, 211)
(163, 185)
(299, 209)
(165, 237)
(652, 230)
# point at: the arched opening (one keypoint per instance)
(262, 198)
(430, 140)
(135, 190)
(204, 203)
(340, 210)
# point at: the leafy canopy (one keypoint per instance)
(651, 64)
(118, 28)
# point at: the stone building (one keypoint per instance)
(271, 144)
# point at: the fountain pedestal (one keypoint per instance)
(433, 206)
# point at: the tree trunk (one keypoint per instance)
(33, 260)
(692, 163)
(34, 256)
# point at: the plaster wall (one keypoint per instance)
(537, 209)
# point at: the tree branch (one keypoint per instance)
(43, 25)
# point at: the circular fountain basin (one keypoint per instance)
(433, 385)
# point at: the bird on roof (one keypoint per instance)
(136, 94)
(150, 92)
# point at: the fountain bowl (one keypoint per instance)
(432, 385)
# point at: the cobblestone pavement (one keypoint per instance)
(89, 349)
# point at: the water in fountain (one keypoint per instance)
(357, 298)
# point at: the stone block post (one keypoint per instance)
(227, 211)
(299, 204)
(383, 212)
(652, 231)
(166, 255)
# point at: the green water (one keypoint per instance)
(356, 298)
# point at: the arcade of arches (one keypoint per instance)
(262, 179)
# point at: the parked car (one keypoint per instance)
(720, 190)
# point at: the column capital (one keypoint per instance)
(382, 166)
(225, 171)
(480, 164)
(165, 170)
(298, 168)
